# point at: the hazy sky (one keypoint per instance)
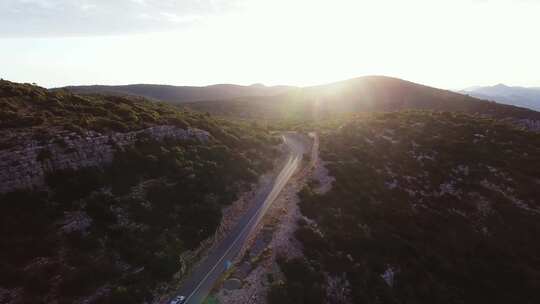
(444, 43)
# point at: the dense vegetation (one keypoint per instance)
(115, 232)
(303, 284)
(427, 208)
(28, 111)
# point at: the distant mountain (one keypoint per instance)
(517, 96)
(363, 94)
(181, 94)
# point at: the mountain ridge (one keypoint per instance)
(528, 97)
(361, 94)
(179, 94)
(372, 93)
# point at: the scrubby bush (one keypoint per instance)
(427, 196)
(303, 284)
(101, 124)
(71, 185)
(123, 225)
(122, 295)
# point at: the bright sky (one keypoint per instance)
(444, 43)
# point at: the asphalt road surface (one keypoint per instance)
(203, 278)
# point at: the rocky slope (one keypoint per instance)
(425, 208)
(25, 167)
(103, 197)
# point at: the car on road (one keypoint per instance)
(178, 300)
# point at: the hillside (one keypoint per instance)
(181, 94)
(517, 96)
(31, 112)
(104, 198)
(424, 208)
(364, 94)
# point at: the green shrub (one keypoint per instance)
(303, 284)
(122, 295)
(101, 124)
(168, 194)
(71, 185)
(386, 209)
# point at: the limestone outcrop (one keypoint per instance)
(25, 166)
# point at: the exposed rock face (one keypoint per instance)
(530, 124)
(76, 221)
(26, 166)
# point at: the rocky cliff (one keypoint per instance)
(26, 166)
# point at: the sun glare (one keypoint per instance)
(303, 42)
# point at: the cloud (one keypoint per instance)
(50, 18)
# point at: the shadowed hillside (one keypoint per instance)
(423, 208)
(181, 94)
(371, 93)
(105, 197)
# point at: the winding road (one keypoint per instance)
(203, 278)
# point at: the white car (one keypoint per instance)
(178, 300)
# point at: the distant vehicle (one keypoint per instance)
(178, 300)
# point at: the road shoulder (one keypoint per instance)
(255, 268)
(231, 215)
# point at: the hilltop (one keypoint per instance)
(28, 111)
